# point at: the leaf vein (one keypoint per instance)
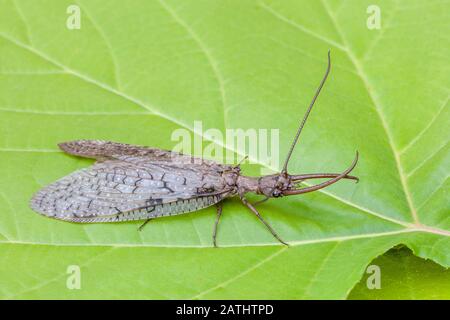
(206, 51)
(298, 26)
(424, 130)
(107, 43)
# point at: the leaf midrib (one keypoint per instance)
(295, 243)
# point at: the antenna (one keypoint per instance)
(305, 117)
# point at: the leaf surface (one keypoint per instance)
(136, 72)
(405, 276)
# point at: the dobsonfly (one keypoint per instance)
(131, 182)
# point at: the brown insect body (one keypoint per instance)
(130, 182)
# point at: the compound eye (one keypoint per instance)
(277, 193)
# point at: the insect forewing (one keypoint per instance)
(130, 183)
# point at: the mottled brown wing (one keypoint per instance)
(130, 183)
(115, 190)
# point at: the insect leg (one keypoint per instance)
(260, 201)
(251, 207)
(219, 213)
(149, 210)
(142, 225)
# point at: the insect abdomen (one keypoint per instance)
(153, 211)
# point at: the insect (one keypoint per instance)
(131, 182)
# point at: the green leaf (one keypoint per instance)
(405, 276)
(136, 71)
